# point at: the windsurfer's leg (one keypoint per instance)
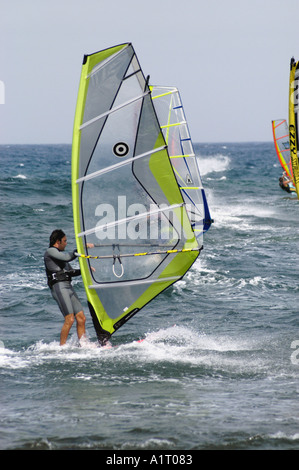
(70, 307)
(80, 318)
(68, 322)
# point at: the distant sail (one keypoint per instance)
(293, 120)
(282, 145)
(171, 115)
(126, 200)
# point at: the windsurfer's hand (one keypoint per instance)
(90, 245)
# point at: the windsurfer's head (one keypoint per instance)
(56, 235)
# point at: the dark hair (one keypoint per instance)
(56, 235)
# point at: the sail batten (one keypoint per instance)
(125, 192)
(127, 284)
(113, 110)
(130, 219)
(165, 126)
(182, 156)
(118, 165)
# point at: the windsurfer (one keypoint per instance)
(284, 181)
(60, 273)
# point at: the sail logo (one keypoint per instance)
(292, 139)
(294, 91)
(2, 92)
(293, 149)
(136, 221)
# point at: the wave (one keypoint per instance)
(22, 280)
(216, 163)
(176, 345)
(22, 177)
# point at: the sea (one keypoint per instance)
(218, 366)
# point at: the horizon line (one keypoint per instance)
(194, 143)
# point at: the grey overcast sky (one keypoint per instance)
(229, 58)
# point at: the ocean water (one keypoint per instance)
(219, 365)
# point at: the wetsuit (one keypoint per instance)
(60, 273)
(285, 188)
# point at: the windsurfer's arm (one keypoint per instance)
(88, 245)
(61, 255)
(286, 178)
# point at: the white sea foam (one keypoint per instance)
(13, 360)
(182, 346)
(239, 216)
(176, 344)
(22, 177)
(283, 435)
(23, 279)
(216, 163)
(180, 336)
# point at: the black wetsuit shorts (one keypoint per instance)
(66, 298)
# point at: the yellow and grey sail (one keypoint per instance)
(293, 120)
(126, 200)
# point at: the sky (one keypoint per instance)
(229, 58)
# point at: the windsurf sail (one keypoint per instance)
(293, 120)
(280, 131)
(126, 199)
(171, 115)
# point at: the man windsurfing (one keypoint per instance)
(59, 274)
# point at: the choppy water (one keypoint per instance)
(219, 366)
